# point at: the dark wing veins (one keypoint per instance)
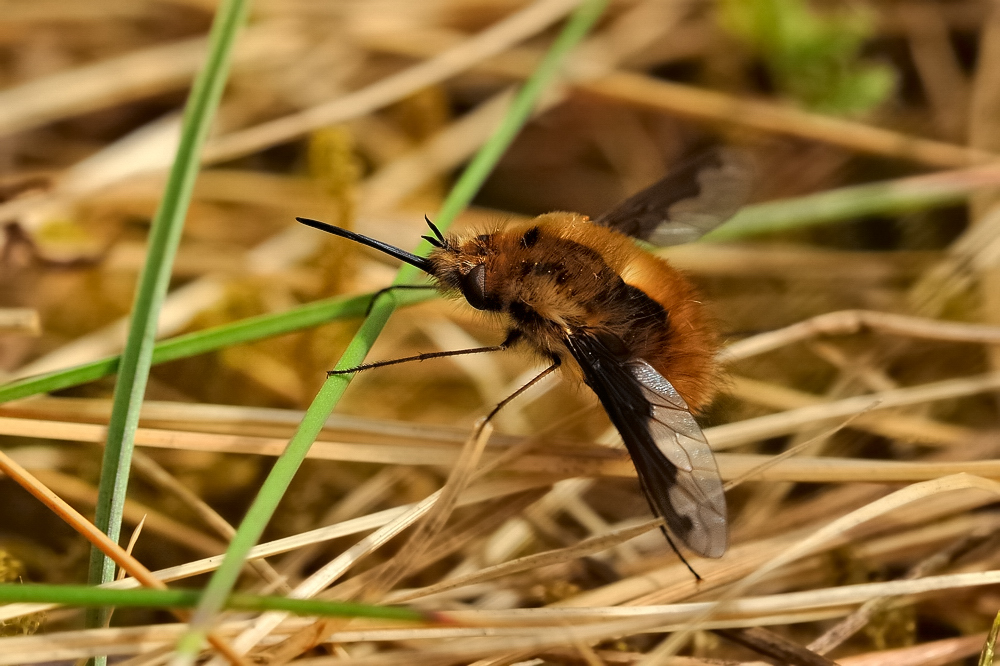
(689, 202)
(676, 468)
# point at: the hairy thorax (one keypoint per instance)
(559, 275)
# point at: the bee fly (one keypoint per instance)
(582, 294)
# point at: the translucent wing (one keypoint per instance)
(676, 468)
(696, 497)
(689, 202)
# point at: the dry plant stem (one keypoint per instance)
(974, 254)
(545, 468)
(208, 417)
(833, 530)
(768, 117)
(480, 493)
(220, 443)
(150, 469)
(765, 499)
(362, 498)
(156, 657)
(443, 152)
(321, 579)
(854, 622)
(361, 635)
(74, 489)
(434, 521)
(463, 473)
(118, 80)
(789, 452)
(796, 606)
(388, 186)
(770, 644)
(860, 369)
(984, 130)
(611, 657)
(717, 107)
(670, 583)
(933, 653)
(179, 308)
(984, 133)
(100, 541)
(848, 322)
(944, 81)
(662, 586)
(24, 321)
(133, 539)
(903, 427)
(266, 622)
(460, 55)
(454, 538)
(493, 40)
(391, 184)
(742, 432)
(830, 501)
(538, 560)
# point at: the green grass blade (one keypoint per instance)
(165, 233)
(329, 395)
(210, 339)
(847, 203)
(86, 596)
(988, 654)
(850, 203)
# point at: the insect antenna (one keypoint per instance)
(420, 262)
(437, 232)
(438, 239)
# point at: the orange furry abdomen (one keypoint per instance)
(684, 350)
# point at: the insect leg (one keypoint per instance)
(666, 534)
(537, 378)
(511, 338)
(386, 290)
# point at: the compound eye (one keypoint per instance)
(474, 287)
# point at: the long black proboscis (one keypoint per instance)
(420, 262)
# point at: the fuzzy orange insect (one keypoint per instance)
(582, 294)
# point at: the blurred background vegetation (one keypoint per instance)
(320, 120)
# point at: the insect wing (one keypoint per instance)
(689, 202)
(676, 468)
(696, 496)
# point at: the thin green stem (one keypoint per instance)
(851, 203)
(210, 339)
(86, 596)
(847, 203)
(165, 233)
(329, 395)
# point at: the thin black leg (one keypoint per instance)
(666, 534)
(537, 378)
(512, 337)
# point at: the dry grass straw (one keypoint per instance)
(858, 416)
(100, 541)
(704, 105)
